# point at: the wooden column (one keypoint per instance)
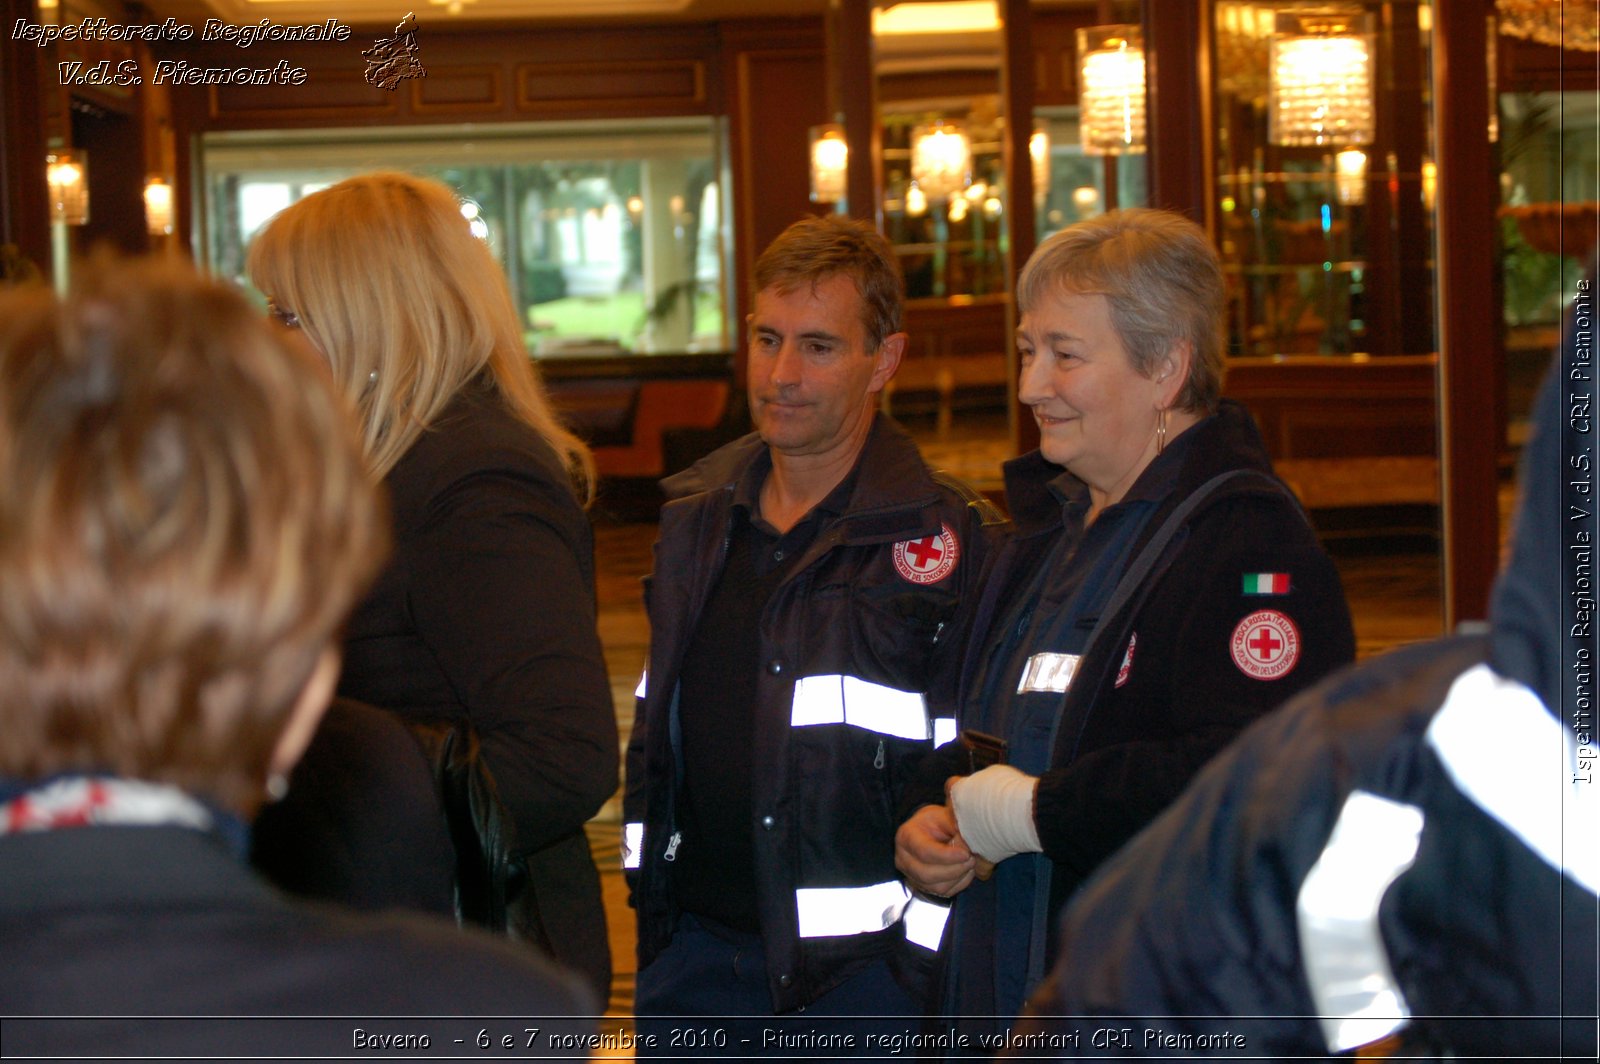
(1018, 83)
(853, 99)
(1177, 49)
(1469, 313)
(24, 195)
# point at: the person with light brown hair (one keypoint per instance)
(807, 579)
(186, 519)
(485, 617)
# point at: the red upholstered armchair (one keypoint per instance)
(662, 406)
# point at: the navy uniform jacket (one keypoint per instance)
(852, 640)
(1242, 609)
(1411, 851)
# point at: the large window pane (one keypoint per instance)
(612, 235)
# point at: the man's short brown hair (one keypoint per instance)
(185, 521)
(816, 248)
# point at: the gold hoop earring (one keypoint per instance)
(1161, 431)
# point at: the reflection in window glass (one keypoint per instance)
(612, 236)
(949, 243)
(1076, 185)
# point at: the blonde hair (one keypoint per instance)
(185, 520)
(1163, 282)
(388, 281)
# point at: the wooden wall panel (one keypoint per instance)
(24, 195)
(674, 86)
(328, 97)
(460, 91)
(518, 74)
(777, 90)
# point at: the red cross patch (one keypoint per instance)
(1266, 645)
(927, 560)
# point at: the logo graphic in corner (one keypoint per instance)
(391, 60)
(1266, 645)
(928, 560)
(1127, 661)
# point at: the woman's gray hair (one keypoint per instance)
(1162, 280)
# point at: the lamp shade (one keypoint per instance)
(68, 177)
(1320, 92)
(1111, 90)
(941, 158)
(830, 157)
(158, 206)
(1350, 172)
(1039, 159)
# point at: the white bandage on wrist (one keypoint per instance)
(994, 812)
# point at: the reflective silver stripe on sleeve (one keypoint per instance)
(1519, 764)
(1373, 842)
(836, 699)
(826, 912)
(644, 684)
(1047, 672)
(944, 730)
(925, 922)
(632, 844)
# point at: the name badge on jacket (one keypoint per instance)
(1048, 672)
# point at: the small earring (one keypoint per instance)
(1161, 431)
(373, 376)
(277, 787)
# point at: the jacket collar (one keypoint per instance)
(889, 474)
(1036, 488)
(99, 866)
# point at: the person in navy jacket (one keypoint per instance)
(1162, 591)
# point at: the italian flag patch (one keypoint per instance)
(1266, 583)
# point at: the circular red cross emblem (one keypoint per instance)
(1266, 645)
(927, 560)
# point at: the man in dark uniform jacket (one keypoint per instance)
(1407, 854)
(807, 579)
(185, 520)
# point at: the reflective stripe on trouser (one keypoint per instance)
(1516, 761)
(1372, 844)
(836, 699)
(632, 844)
(829, 911)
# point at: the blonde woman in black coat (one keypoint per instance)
(486, 615)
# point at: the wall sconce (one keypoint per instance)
(1111, 89)
(830, 157)
(1320, 91)
(68, 175)
(1430, 183)
(1350, 176)
(1039, 156)
(158, 206)
(941, 158)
